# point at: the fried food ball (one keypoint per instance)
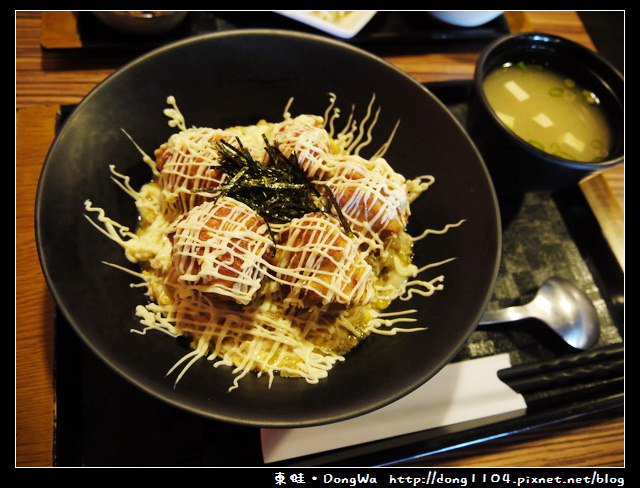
(187, 162)
(374, 202)
(320, 265)
(305, 136)
(218, 247)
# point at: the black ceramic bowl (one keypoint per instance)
(240, 77)
(515, 165)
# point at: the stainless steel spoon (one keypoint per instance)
(562, 306)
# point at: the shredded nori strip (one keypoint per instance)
(278, 190)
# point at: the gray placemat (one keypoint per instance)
(536, 245)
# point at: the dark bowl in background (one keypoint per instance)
(515, 165)
(142, 23)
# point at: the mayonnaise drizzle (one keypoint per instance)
(206, 265)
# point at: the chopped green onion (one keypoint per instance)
(556, 91)
(589, 97)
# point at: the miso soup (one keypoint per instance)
(550, 111)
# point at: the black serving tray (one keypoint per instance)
(385, 30)
(102, 420)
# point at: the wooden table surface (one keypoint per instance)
(46, 80)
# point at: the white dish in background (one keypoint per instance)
(340, 23)
(466, 18)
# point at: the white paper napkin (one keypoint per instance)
(467, 390)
